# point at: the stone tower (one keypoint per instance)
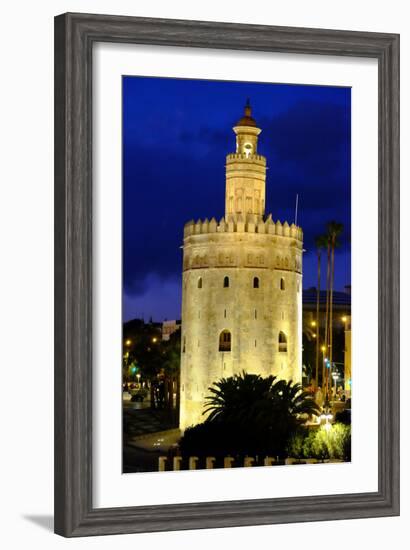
(242, 285)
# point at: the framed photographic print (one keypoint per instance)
(226, 274)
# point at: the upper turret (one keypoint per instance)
(245, 170)
(247, 133)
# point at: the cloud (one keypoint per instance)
(182, 177)
(158, 297)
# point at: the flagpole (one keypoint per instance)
(296, 208)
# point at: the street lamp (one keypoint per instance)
(323, 349)
(327, 366)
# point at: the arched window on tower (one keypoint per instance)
(282, 283)
(225, 341)
(226, 282)
(200, 282)
(256, 282)
(283, 342)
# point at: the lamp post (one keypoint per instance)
(326, 366)
(323, 349)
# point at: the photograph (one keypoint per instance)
(236, 203)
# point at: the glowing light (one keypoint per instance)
(344, 318)
(154, 339)
(313, 323)
(128, 342)
(323, 348)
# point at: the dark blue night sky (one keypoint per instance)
(176, 134)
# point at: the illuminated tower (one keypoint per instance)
(245, 171)
(242, 285)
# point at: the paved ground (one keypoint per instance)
(146, 421)
(148, 434)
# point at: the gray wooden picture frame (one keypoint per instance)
(75, 35)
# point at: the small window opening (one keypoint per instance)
(225, 341)
(283, 342)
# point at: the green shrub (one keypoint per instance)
(295, 446)
(316, 445)
(322, 443)
(339, 442)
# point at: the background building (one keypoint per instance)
(169, 327)
(242, 285)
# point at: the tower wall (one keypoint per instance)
(240, 248)
(231, 324)
(245, 184)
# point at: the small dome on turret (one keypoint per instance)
(247, 119)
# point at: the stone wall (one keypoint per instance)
(254, 313)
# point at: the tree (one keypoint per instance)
(249, 414)
(157, 361)
(326, 341)
(334, 230)
(240, 398)
(172, 370)
(321, 242)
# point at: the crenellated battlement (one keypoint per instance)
(246, 158)
(240, 224)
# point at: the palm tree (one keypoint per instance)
(334, 230)
(291, 400)
(326, 341)
(321, 242)
(239, 398)
(251, 414)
